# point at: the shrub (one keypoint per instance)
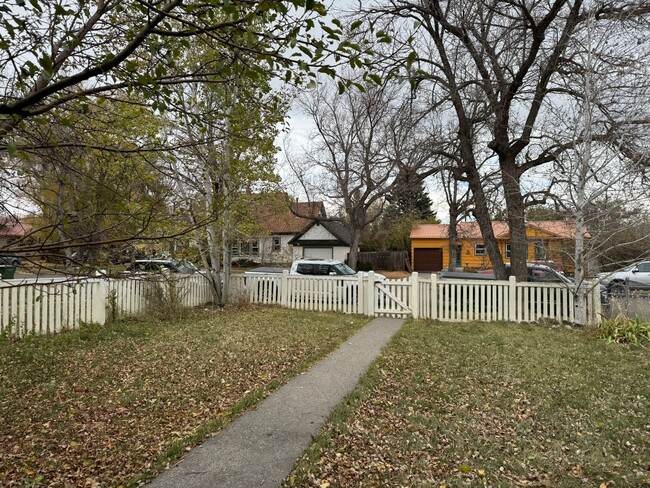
(623, 330)
(244, 263)
(165, 298)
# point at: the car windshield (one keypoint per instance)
(343, 269)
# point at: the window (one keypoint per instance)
(234, 249)
(479, 250)
(644, 268)
(305, 269)
(540, 251)
(542, 275)
(255, 247)
(508, 250)
(276, 244)
(245, 248)
(322, 269)
(459, 256)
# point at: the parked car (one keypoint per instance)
(145, 266)
(9, 259)
(633, 277)
(551, 264)
(537, 273)
(315, 267)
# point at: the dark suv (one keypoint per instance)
(144, 266)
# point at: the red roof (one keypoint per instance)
(278, 215)
(14, 229)
(557, 229)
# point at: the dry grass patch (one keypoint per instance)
(107, 406)
(490, 405)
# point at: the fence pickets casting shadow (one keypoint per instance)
(38, 307)
(447, 300)
(52, 305)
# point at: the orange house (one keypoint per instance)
(548, 240)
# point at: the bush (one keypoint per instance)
(244, 263)
(165, 298)
(623, 330)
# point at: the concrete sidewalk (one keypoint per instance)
(260, 447)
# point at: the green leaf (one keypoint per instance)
(59, 10)
(131, 66)
(309, 5)
(465, 468)
(410, 59)
(12, 149)
(355, 25)
(375, 77)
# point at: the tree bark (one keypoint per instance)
(516, 218)
(482, 215)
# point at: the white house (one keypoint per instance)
(323, 239)
(278, 227)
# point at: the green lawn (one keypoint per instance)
(111, 405)
(490, 405)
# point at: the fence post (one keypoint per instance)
(415, 295)
(284, 289)
(370, 301)
(596, 305)
(99, 302)
(512, 299)
(434, 296)
(361, 302)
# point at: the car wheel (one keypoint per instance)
(616, 290)
(14, 262)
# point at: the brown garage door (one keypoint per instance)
(427, 260)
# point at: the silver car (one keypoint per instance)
(634, 277)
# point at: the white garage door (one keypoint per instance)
(318, 252)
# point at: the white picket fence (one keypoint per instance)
(40, 306)
(50, 306)
(447, 300)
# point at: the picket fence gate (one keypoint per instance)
(431, 298)
(41, 306)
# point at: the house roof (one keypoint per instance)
(556, 229)
(562, 229)
(338, 230)
(341, 234)
(14, 229)
(288, 218)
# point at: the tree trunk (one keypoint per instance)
(213, 241)
(354, 248)
(453, 238)
(581, 197)
(482, 215)
(516, 218)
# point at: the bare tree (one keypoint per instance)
(512, 57)
(597, 169)
(362, 142)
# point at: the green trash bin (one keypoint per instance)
(7, 272)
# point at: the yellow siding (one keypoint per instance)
(471, 261)
(556, 249)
